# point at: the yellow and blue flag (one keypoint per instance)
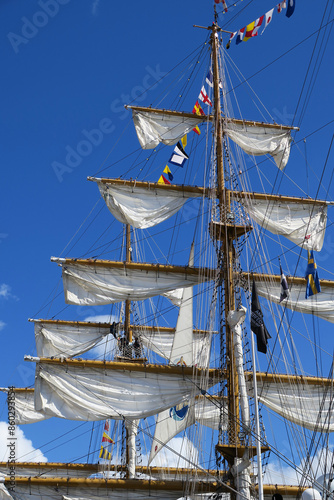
(313, 283)
(104, 453)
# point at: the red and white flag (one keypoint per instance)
(203, 96)
(268, 18)
(224, 4)
(281, 6)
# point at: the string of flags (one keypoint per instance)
(252, 29)
(312, 288)
(179, 156)
(104, 452)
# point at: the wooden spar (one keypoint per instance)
(151, 329)
(125, 484)
(276, 197)
(227, 249)
(197, 190)
(188, 371)
(181, 114)
(290, 379)
(293, 280)
(250, 123)
(139, 266)
(47, 467)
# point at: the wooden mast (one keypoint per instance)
(128, 336)
(227, 250)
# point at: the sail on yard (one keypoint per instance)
(195, 375)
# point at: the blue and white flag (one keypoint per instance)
(179, 155)
(291, 8)
(209, 78)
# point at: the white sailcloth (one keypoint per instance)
(58, 340)
(77, 393)
(310, 406)
(25, 412)
(261, 140)
(182, 348)
(161, 343)
(143, 207)
(303, 224)
(321, 305)
(153, 128)
(171, 422)
(90, 285)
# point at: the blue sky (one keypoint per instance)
(68, 68)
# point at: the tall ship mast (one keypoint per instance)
(192, 321)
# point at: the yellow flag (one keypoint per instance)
(184, 141)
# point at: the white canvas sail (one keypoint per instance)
(67, 340)
(161, 343)
(182, 348)
(321, 305)
(261, 140)
(78, 393)
(303, 224)
(171, 422)
(153, 128)
(310, 406)
(143, 207)
(90, 285)
(24, 405)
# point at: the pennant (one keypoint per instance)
(163, 180)
(313, 283)
(106, 426)
(230, 40)
(291, 8)
(168, 172)
(240, 36)
(198, 109)
(268, 18)
(209, 78)
(285, 292)
(104, 453)
(224, 4)
(281, 6)
(249, 32)
(107, 439)
(179, 156)
(184, 140)
(257, 324)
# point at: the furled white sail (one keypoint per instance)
(4, 493)
(303, 224)
(65, 492)
(171, 422)
(153, 128)
(261, 140)
(321, 305)
(310, 406)
(24, 405)
(143, 207)
(161, 343)
(182, 348)
(78, 393)
(53, 339)
(90, 285)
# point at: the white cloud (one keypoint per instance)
(23, 447)
(5, 292)
(2, 325)
(95, 6)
